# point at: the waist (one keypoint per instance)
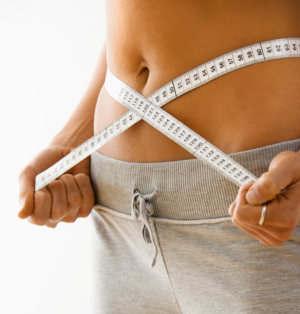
(164, 39)
(239, 112)
(184, 190)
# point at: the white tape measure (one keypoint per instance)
(149, 110)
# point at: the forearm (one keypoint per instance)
(80, 126)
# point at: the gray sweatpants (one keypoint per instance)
(174, 215)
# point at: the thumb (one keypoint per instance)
(26, 192)
(284, 170)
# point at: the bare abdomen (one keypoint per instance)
(152, 42)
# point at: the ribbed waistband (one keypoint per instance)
(184, 190)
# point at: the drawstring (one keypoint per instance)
(141, 207)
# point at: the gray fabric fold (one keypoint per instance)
(187, 189)
(203, 264)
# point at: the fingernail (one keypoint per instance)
(252, 197)
(229, 209)
(21, 203)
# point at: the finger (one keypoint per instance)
(74, 197)
(261, 234)
(243, 188)
(87, 193)
(42, 208)
(232, 208)
(280, 234)
(243, 212)
(51, 224)
(279, 213)
(274, 232)
(241, 197)
(284, 170)
(26, 192)
(59, 200)
(252, 232)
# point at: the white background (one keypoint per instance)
(48, 50)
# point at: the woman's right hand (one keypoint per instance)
(67, 198)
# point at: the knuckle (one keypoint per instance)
(85, 211)
(87, 192)
(286, 155)
(66, 176)
(241, 189)
(39, 220)
(55, 184)
(59, 211)
(237, 215)
(268, 184)
(290, 156)
(74, 198)
(81, 177)
(245, 187)
(287, 159)
(84, 214)
(70, 219)
(43, 196)
(51, 226)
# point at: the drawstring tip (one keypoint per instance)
(140, 207)
(153, 262)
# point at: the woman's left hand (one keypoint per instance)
(280, 187)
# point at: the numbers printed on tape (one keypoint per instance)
(149, 110)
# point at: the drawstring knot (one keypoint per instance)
(142, 208)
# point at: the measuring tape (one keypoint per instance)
(149, 110)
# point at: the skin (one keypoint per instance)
(149, 43)
(234, 108)
(71, 196)
(279, 187)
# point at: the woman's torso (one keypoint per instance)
(149, 43)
